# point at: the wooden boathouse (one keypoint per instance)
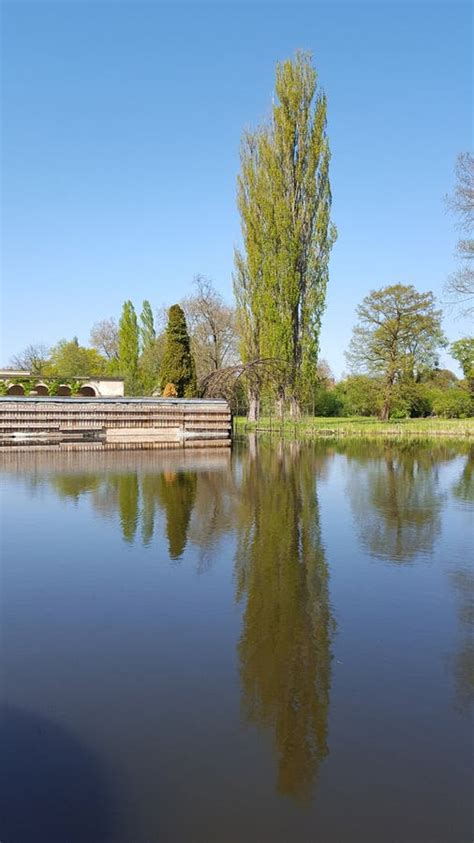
(113, 423)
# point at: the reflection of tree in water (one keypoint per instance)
(463, 660)
(176, 492)
(136, 497)
(395, 497)
(285, 644)
(463, 581)
(74, 485)
(213, 514)
(463, 489)
(127, 496)
(172, 491)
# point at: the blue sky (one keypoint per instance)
(121, 131)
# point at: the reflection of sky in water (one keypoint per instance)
(261, 645)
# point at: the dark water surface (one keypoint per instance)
(268, 645)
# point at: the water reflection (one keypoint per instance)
(284, 649)
(175, 493)
(462, 660)
(266, 500)
(396, 498)
(463, 488)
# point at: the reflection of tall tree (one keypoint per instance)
(176, 492)
(463, 581)
(285, 645)
(214, 512)
(128, 492)
(395, 498)
(463, 489)
(463, 661)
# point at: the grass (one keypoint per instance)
(357, 426)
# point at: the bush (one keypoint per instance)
(359, 395)
(327, 402)
(453, 404)
(170, 391)
(411, 400)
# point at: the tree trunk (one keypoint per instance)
(385, 411)
(295, 408)
(387, 403)
(280, 402)
(254, 406)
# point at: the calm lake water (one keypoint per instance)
(271, 644)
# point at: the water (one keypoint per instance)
(268, 645)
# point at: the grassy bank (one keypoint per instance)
(358, 426)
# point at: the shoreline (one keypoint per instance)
(335, 428)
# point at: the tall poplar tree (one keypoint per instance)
(129, 348)
(147, 326)
(284, 199)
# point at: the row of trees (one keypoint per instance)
(178, 346)
(269, 343)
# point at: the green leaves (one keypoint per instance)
(398, 334)
(147, 326)
(463, 351)
(284, 200)
(129, 348)
(177, 366)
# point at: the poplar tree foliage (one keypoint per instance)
(129, 348)
(284, 199)
(147, 326)
(397, 335)
(177, 366)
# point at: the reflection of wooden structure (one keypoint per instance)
(113, 423)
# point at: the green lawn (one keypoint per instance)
(358, 426)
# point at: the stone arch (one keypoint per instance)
(41, 389)
(64, 389)
(16, 389)
(87, 391)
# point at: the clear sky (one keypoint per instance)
(121, 131)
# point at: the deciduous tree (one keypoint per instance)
(129, 348)
(147, 326)
(463, 351)
(460, 285)
(34, 358)
(69, 359)
(284, 199)
(211, 325)
(398, 331)
(105, 338)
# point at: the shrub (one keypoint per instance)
(359, 395)
(327, 402)
(412, 400)
(170, 391)
(453, 404)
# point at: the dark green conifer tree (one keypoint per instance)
(178, 366)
